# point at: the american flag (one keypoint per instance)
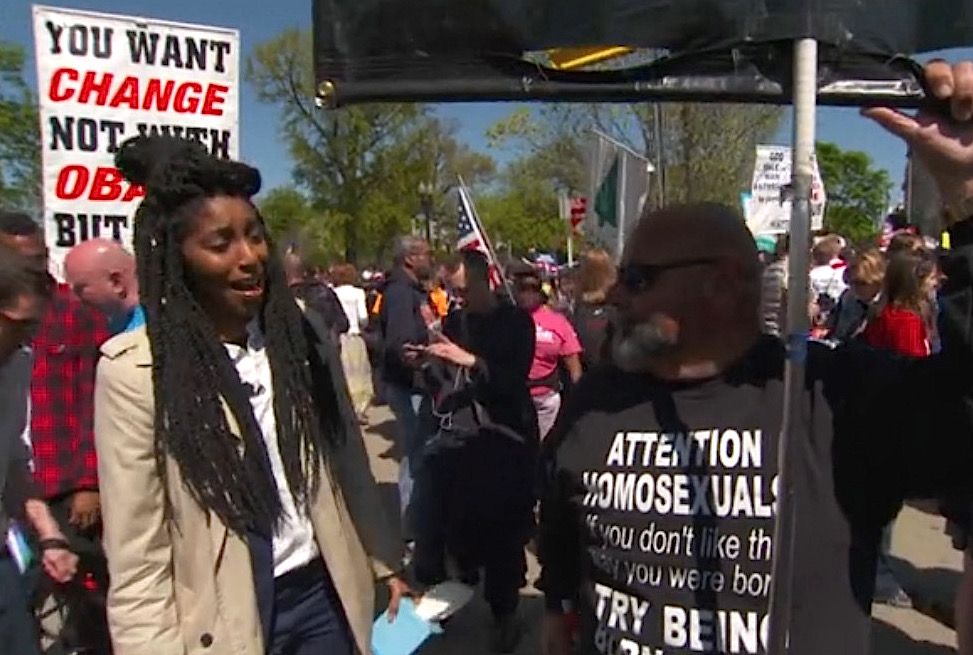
(471, 236)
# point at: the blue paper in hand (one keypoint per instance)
(404, 635)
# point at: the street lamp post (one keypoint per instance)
(425, 200)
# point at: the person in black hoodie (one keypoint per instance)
(402, 326)
(478, 482)
(658, 510)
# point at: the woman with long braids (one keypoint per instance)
(240, 513)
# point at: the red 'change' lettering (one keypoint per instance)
(109, 90)
(105, 184)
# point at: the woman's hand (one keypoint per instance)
(450, 352)
(398, 588)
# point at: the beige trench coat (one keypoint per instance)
(184, 586)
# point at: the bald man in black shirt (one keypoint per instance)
(659, 513)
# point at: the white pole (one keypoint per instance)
(618, 144)
(564, 212)
(660, 166)
(622, 184)
(910, 168)
(798, 325)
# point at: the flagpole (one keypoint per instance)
(618, 144)
(466, 196)
(623, 183)
(660, 170)
(565, 214)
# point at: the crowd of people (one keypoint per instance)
(886, 296)
(181, 434)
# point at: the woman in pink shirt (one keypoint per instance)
(556, 343)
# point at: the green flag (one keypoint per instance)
(606, 201)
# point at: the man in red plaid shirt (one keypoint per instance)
(61, 426)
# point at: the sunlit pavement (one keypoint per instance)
(927, 566)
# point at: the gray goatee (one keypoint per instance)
(635, 346)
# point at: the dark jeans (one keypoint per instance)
(18, 633)
(308, 617)
(503, 562)
(476, 489)
(457, 520)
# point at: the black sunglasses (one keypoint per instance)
(639, 277)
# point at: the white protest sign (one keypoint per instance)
(770, 205)
(104, 78)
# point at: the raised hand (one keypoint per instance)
(942, 140)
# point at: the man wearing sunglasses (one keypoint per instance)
(658, 518)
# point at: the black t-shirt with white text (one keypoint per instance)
(658, 516)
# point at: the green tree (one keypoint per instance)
(430, 155)
(708, 155)
(702, 152)
(706, 150)
(522, 212)
(857, 192)
(359, 167)
(20, 166)
(293, 221)
(554, 138)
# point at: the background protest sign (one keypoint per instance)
(104, 78)
(769, 209)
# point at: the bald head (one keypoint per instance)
(689, 291)
(697, 231)
(99, 252)
(295, 270)
(102, 274)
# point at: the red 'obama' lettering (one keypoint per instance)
(103, 184)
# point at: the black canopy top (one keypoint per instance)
(455, 50)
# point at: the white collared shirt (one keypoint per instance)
(293, 543)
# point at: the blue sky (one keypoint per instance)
(259, 20)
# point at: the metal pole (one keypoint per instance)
(564, 213)
(618, 144)
(798, 325)
(466, 198)
(660, 168)
(622, 184)
(910, 168)
(427, 212)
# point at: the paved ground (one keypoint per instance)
(929, 568)
(926, 564)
